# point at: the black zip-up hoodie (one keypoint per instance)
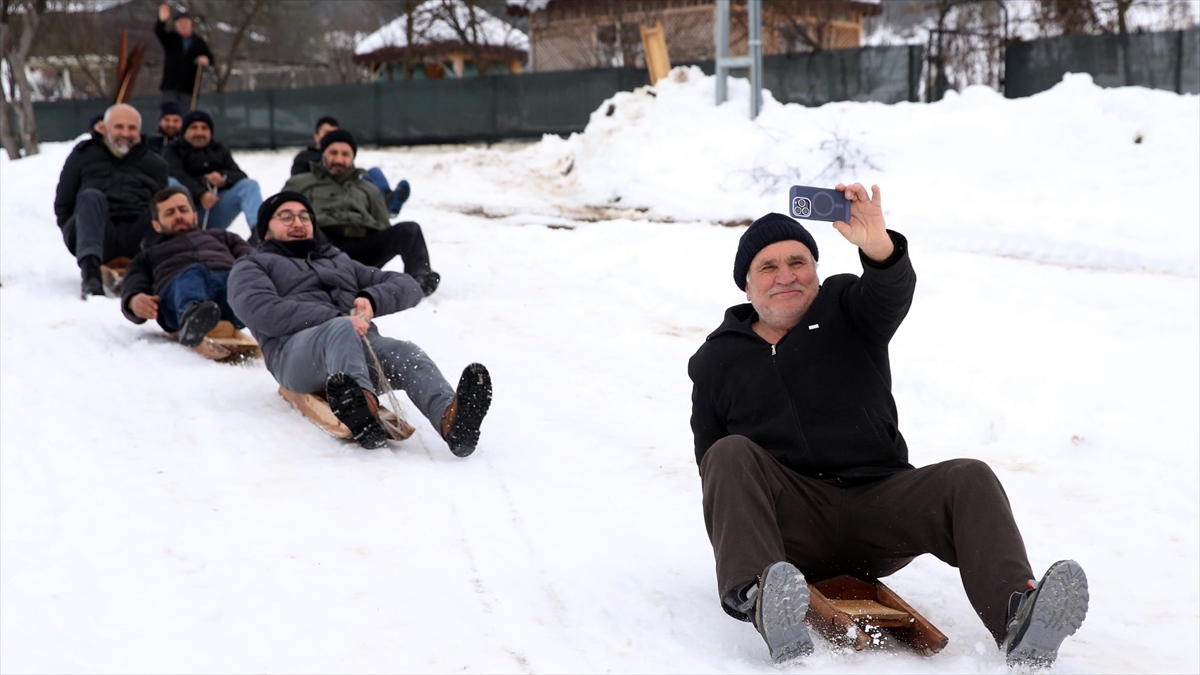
(820, 400)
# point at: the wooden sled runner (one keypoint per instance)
(316, 409)
(852, 613)
(226, 343)
(112, 273)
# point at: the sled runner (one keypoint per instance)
(316, 409)
(111, 274)
(226, 343)
(852, 613)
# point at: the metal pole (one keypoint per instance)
(722, 52)
(755, 57)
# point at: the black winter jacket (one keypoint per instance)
(820, 400)
(129, 182)
(283, 288)
(179, 66)
(158, 143)
(189, 165)
(166, 256)
(304, 159)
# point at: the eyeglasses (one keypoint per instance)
(288, 217)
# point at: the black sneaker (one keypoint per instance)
(1041, 618)
(93, 281)
(197, 321)
(472, 398)
(779, 612)
(428, 282)
(349, 404)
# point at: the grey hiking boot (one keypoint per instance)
(1041, 618)
(780, 609)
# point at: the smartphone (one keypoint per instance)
(814, 203)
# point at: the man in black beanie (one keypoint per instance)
(207, 169)
(353, 215)
(170, 124)
(804, 471)
(311, 308)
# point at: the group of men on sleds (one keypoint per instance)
(805, 475)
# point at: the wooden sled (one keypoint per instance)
(317, 410)
(853, 613)
(112, 273)
(226, 343)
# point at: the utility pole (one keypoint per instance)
(753, 60)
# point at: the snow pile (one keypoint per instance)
(162, 513)
(974, 172)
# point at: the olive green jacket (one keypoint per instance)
(347, 209)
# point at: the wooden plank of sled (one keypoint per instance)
(238, 343)
(317, 411)
(842, 609)
(112, 272)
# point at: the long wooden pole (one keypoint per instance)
(196, 86)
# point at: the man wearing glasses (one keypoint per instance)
(311, 308)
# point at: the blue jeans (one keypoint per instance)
(375, 177)
(196, 283)
(243, 197)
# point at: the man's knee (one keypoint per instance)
(91, 195)
(970, 473)
(728, 452)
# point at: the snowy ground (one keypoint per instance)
(162, 513)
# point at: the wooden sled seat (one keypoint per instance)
(317, 410)
(226, 343)
(112, 273)
(852, 613)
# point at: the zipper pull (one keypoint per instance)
(772, 350)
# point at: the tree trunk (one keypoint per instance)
(223, 76)
(21, 92)
(11, 145)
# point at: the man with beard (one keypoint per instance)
(311, 309)
(103, 199)
(306, 158)
(184, 53)
(354, 218)
(206, 168)
(170, 123)
(180, 278)
(804, 471)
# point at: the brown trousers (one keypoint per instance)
(758, 511)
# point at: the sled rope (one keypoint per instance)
(393, 425)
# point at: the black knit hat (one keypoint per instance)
(762, 233)
(170, 108)
(198, 116)
(271, 204)
(339, 136)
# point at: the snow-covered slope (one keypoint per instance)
(162, 513)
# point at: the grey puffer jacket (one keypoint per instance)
(283, 288)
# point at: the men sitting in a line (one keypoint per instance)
(312, 155)
(310, 307)
(170, 124)
(352, 214)
(103, 199)
(180, 278)
(206, 168)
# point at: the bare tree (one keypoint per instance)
(19, 27)
(804, 24)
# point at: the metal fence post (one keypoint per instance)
(724, 62)
(1179, 62)
(271, 117)
(722, 51)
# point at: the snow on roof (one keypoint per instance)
(430, 26)
(530, 5)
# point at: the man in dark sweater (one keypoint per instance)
(170, 125)
(206, 168)
(103, 198)
(180, 278)
(805, 473)
(184, 53)
(310, 156)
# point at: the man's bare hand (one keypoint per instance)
(215, 178)
(361, 325)
(362, 308)
(866, 228)
(164, 12)
(202, 61)
(144, 306)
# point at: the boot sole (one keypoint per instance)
(474, 398)
(781, 610)
(198, 323)
(1058, 611)
(349, 405)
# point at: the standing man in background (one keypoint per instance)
(184, 53)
